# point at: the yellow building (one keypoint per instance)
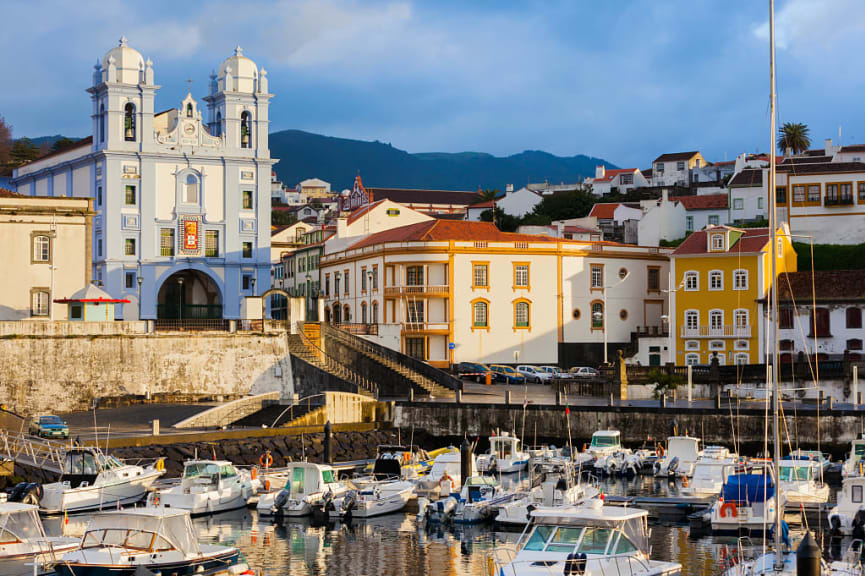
(721, 277)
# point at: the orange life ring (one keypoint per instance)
(660, 451)
(266, 460)
(445, 477)
(731, 507)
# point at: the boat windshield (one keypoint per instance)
(796, 473)
(196, 469)
(604, 441)
(21, 526)
(570, 539)
(859, 449)
(327, 476)
(109, 462)
(503, 447)
(125, 538)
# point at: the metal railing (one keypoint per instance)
(360, 329)
(724, 331)
(30, 450)
(376, 351)
(838, 201)
(190, 311)
(441, 290)
(191, 325)
(337, 367)
(502, 562)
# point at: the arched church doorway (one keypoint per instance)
(189, 295)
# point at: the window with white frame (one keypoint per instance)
(716, 319)
(692, 281)
(597, 276)
(717, 242)
(760, 203)
(41, 248)
(740, 345)
(716, 280)
(521, 276)
(689, 223)
(716, 345)
(714, 220)
(740, 279)
(692, 359)
(692, 319)
(521, 314)
(742, 359)
(738, 203)
(740, 318)
(692, 345)
(39, 303)
(481, 276)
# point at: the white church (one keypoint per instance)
(182, 196)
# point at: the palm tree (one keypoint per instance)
(487, 195)
(793, 135)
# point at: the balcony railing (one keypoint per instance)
(838, 201)
(359, 329)
(429, 290)
(725, 331)
(425, 326)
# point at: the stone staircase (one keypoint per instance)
(305, 348)
(315, 417)
(371, 351)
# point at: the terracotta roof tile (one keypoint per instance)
(444, 230)
(707, 202)
(751, 241)
(4, 193)
(610, 175)
(604, 210)
(831, 285)
(822, 168)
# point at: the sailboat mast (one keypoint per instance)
(773, 297)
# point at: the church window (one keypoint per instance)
(247, 249)
(211, 243)
(246, 130)
(102, 122)
(189, 110)
(190, 189)
(247, 200)
(130, 196)
(218, 127)
(129, 247)
(129, 123)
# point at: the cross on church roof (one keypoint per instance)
(189, 83)
(123, 40)
(238, 51)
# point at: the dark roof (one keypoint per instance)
(410, 196)
(705, 202)
(449, 216)
(80, 144)
(822, 168)
(805, 160)
(751, 241)
(672, 157)
(647, 173)
(831, 285)
(853, 148)
(747, 178)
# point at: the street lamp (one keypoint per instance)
(140, 281)
(180, 299)
(369, 278)
(252, 282)
(308, 293)
(603, 315)
(669, 315)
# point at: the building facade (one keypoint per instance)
(182, 197)
(46, 245)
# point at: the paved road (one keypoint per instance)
(132, 420)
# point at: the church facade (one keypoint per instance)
(182, 197)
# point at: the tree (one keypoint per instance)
(575, 204)
(5, 146)
(23, 151)
(504, 222)
(793, 135)
(61, 144)
(488, 195)
(282, 218)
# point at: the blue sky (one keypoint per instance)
(622, 80)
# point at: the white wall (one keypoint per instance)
(519, 202)
(662, 220)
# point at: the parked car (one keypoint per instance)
(584, 372)
(473, 370)
(555, 371)
(533, 374)
(49, 427)
(507, 374)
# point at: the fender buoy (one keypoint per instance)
(731, 507)
(585, 447)
(156, 498)
(267, 485)
(660, 451)
(266, 460)
(254, 473)
(684, 481)
(160, 464)
(406, 457)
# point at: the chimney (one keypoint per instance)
(341, 227)
(788, 152)
(665, 196)
(600, 171)
(509, 188)
(828, 146)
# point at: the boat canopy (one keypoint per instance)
(19, 522)
(683, 447)
(748, 488)
(171, 525)
(606, 439)
(633, 522)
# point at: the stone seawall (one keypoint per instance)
(66, 373)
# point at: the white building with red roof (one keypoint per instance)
(520, 202)
(620, 180)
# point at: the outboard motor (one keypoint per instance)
(349, 503)
(859, 525)
(835, 524)
(674, 465)
(27, 493)
(17, 492)
(280, 501)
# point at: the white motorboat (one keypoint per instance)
(207, 487)
(24, 542)
(708, 478)
(622, 463)
(746, 505)
(717, 453)
(444, 475)
(146, 540)
(92, 480)
(679, 459)
(556, 488)
(607, 451)
(478, 501)
(848, 516)
(590, 540)
(854, 465)
(504, 455)
(823, 463)
(374, 499)
(308, 484)
(799, 484)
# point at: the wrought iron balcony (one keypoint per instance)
(725, 331)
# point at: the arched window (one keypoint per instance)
(741, 359)
(218, 128)
(245, 130)
(692, 281)
(740, 319)
(346, 314)
(716, 320)
(129, 122)
(190, 189)
(41, 249)
(101, 122)
(336, 314)
(480, 314)
(716, 280)
(189, 109)
(740, 280)
(854, 344)
(363, 312)
(692, 359)
(374, 316)
(692, 320)
(597, 316)
(522, 315)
